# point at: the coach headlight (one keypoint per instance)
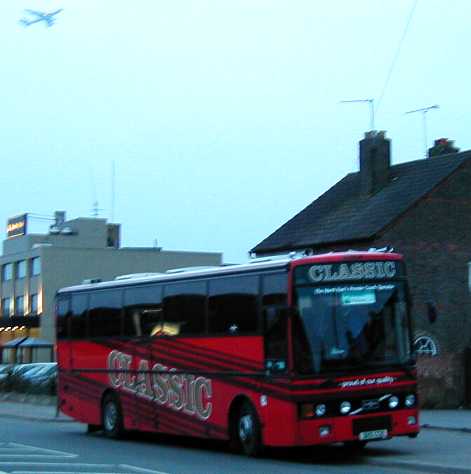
(410, 401)
(393, 402)
(345, 407)
(320, 409)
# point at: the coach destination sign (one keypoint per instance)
(17, 225)
(348, 271)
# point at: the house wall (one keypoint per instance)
(435, 239)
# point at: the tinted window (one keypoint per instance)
(78, 320)
(104, 314)
(275, 300)
(185, 309)
(233, 307)
(143, 311)
(62, 315)
(275, 289)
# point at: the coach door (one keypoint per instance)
(275, 321)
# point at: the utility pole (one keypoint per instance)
(424, 111)
(372, 109)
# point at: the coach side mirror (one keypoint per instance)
(432, 311)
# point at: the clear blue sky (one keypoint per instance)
(222, 117)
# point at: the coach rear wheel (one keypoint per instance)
(112, 417)
(248, 430)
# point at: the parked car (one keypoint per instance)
(5, 371)
(36, 371)
(37, 378)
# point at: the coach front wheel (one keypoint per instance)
(248, 430)
(112, 416)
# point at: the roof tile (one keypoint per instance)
(343, 214)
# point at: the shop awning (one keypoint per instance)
(27, 342)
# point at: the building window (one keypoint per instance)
(7, 272)
(36, 266)
(6, 302)
(34, 304)
(20, 305)
(21, 269)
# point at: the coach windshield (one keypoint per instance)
(338, 327)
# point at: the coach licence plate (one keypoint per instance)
(376, 434)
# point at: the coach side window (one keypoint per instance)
(184, 309)
(275, 318)
(233, 305)
(104, 313)
(78, 319)
(62, 316)
(143, 311)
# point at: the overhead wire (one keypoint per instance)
(398, 51)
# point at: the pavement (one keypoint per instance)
(454, 420)
(30, 407)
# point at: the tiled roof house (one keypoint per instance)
(422, 209)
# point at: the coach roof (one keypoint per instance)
(183, 275)
(257, 265)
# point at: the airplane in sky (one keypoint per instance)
(38, 16)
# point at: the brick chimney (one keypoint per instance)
(442, 146)
(374, 162)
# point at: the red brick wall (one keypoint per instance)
(439, 379)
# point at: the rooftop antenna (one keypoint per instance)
(424, 111)
(113, 175)
(96, 209)
(372, 108)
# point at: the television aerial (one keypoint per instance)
(424, 111)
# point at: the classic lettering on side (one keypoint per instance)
(116, 378)
(143, 381)
(352, 271)
(203, 393)
(176, 399)
(189, 407)
(130, 378)
(160, 383)
(180, 392)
